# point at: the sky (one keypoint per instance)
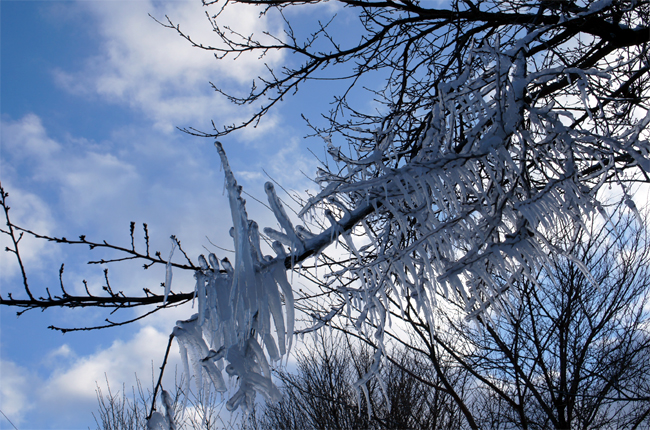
(91, 95)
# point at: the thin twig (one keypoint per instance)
(162, 371)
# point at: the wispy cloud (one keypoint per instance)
(56, 401)
(14, 396)
(95, 185)
(97, 189)
(153, 70)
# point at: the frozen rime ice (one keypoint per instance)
(232, 329)
(168, 271)
(159, 421)
(492, 177)
(491, 180)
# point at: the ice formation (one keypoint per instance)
(241, 325)
(497, 171)
(159, 421)
(492, 177)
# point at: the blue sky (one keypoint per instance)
(91, 93)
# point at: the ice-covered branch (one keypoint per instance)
(492, 178)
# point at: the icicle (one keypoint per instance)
(168, 271)
(157, 422)
(203, 263)
(279, 275)
(281, 216)
(254, 235)
(169, 409)
(214, 374)
(185, 363)
(271, 348)
(201, 293)
(303, 233)
(276, 235)
(275, 307)
(235, 309)
(214, 262)
(227, 266)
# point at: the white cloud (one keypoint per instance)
(15, 398)
(120, 362)
(85, 175)
(27, 138)
(27, 210)
(79, 187)
(66, 398)
(153, 70)
(62, 351)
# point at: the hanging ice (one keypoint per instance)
(471, 201)
(474, 201)
(236, 304)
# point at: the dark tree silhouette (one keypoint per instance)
(571, 350)
(321, 392)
